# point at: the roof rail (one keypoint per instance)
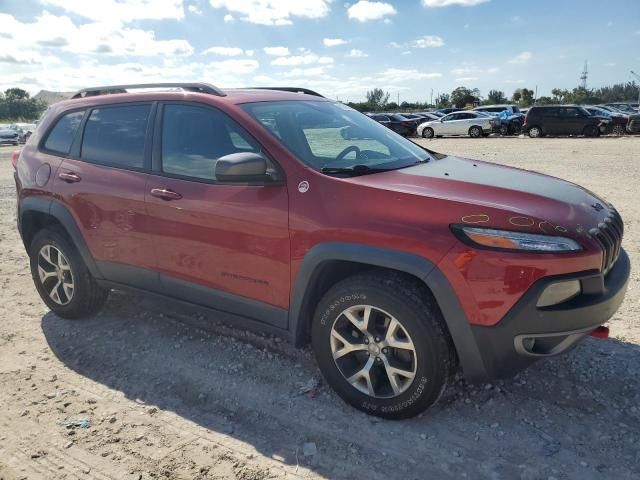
(190, 87)
(306, 91)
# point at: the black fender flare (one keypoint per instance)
(63, 215)
(420, 267)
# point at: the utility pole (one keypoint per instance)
(431, 101)
(398, 99)
(638, 77)
(584, 75)
(535, 97)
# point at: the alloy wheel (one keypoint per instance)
(373, 351)
(55, 274)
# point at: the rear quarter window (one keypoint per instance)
(116, 136)
(63, 133)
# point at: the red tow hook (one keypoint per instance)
(601, 332)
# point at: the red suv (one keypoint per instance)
(288, 212)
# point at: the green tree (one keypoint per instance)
(378, 98)
(463, 96)
(16, 94)
(496, 97)
(443, 100)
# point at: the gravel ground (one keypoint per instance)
(169, 393)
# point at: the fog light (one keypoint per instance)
(559, 292)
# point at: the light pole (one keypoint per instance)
(638, 77)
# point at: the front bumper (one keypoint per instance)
(528, 333)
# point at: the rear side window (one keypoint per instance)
(116, 136)
(62, 134)
(194, 138)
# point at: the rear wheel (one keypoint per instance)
(382, 346)
(475, 132)
(618, 130)
(61, 277)
(427, 132)
(535, 132)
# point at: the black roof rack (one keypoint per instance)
(190, 87)
(306, 91)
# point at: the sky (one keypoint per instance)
(412, 48)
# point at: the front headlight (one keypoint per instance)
(507, 240)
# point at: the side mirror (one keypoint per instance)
(241, 168)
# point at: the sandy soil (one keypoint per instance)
(171, 394)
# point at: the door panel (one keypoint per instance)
(233, 238)
(109, 207)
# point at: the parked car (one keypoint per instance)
(633, 119)
(474, 124)
(395, 262)
(561, 120)
(9, 136)
(24, 130)
(617, 124)
(498, 108)
(508, 123)
(446, 111)
(394, 122)
(623, 107)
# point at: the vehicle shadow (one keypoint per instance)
(260, 391)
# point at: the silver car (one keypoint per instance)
(474, 124)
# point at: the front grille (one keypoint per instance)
(609, 234)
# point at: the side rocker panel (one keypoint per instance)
(420, 267)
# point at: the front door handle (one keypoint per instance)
(69, 177)
(165, 194)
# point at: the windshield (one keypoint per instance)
(330, 135)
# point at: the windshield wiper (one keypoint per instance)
(354, 170)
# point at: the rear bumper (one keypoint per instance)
(528, 333)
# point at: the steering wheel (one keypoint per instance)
(347, 151)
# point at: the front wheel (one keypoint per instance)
(381, 344)
(427, 132)
(591, 131)
(61, 276)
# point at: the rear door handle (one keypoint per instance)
(165, 194)
(69, 177)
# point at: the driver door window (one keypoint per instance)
(194, 138)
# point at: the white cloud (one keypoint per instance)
(466, 79)
(365, 10)
(355, 53)
(274, 12)
(236, 66)
(305, 59)
(194, 9)
(111, 39)
(276, 51)
(228, 18)
(305, 72)
(447, 3)
(493, 70)
(334, 42)
(521, 58)
(403, 75)
(225, 51)
(122, 11)
(406, 52)
(428, 41)
(464, 70)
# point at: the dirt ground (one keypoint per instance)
(168, 393)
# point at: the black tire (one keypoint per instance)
(419, 316)
(87, 297)
(591, 131)
(504, 130)
(475, 132)
(618, 130)
(535, 132)
(427, 132)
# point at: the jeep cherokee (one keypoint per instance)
(290, 213)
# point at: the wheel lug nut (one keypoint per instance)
(366, 340)
(377, 339)
(385, 350)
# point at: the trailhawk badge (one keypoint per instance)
(303, 186)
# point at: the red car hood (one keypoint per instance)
(525, 200)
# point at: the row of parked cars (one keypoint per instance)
(15, 133)
(537, 121)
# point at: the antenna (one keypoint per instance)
(583, 77)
